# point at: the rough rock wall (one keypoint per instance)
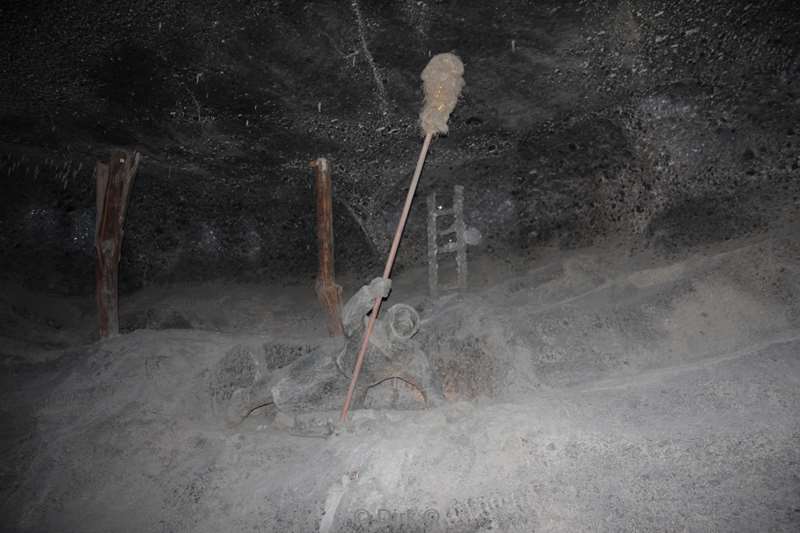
(667, 124)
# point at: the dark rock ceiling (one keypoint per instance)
(661, 124)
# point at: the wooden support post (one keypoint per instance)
(114, 181)
(328, 292)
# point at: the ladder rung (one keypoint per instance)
(449, 247)
(443, 212)
(448, 231)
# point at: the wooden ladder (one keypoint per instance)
(455, 241)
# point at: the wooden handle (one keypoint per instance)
(376, 307)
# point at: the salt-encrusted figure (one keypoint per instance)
(319, 379)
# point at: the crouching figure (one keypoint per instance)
(319, 379)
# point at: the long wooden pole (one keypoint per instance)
(386, 273)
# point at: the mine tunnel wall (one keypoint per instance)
(572, 187)
(659, 127)
(176, 230)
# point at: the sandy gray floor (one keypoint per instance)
(588, 392)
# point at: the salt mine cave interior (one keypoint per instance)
(410, 265)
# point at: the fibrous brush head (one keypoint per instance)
(442, 80)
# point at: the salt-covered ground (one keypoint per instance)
(589, 391)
